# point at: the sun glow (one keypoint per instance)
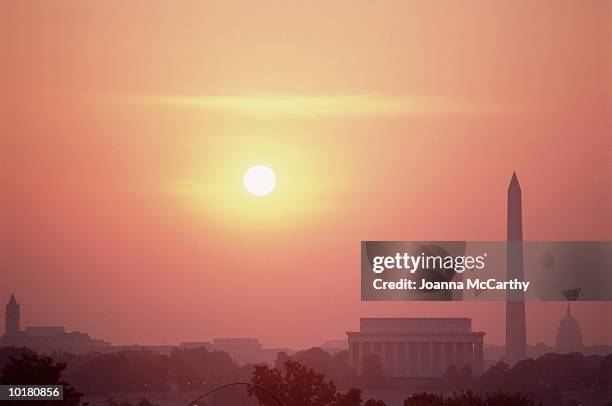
(259, 180)
(324, 106)
(219, 191)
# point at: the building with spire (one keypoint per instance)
(12, 317)
(516, 336)
(569, 336)
(45, 339)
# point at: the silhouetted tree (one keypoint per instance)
(466, 378)
(546, 377)
(299, 385)
(334, 367)
(97, 373)
(34, 369)
(141, 402)
(144, 402)
(560, 372)
(493, 377)
(140, 371)
(199, 368)
(508, 399)
(469, 398)
(15, 352)
(524, 375)
(245, 372)
(350, 398)
(424, 399)
(603, 376)
(353, 398)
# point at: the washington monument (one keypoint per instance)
(516, 338)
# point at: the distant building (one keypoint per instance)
(56, 338)
(569, 336)
(236, 344)
(248, 350)
(334, 346)
(191, 345)
(417, 347)
(242, 350)
(165, 349)
(46, 339)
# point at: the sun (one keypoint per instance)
(259, 180)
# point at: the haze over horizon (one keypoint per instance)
(130, 127)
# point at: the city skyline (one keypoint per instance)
(515, 317)
(130, 127)
(567, 333)
(514, 236)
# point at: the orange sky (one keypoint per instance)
(126, 128)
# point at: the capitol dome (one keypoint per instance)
(569, 336)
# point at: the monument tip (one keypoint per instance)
(514, 183)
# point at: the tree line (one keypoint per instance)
(308, 378)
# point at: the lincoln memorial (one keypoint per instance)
(417, 347)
